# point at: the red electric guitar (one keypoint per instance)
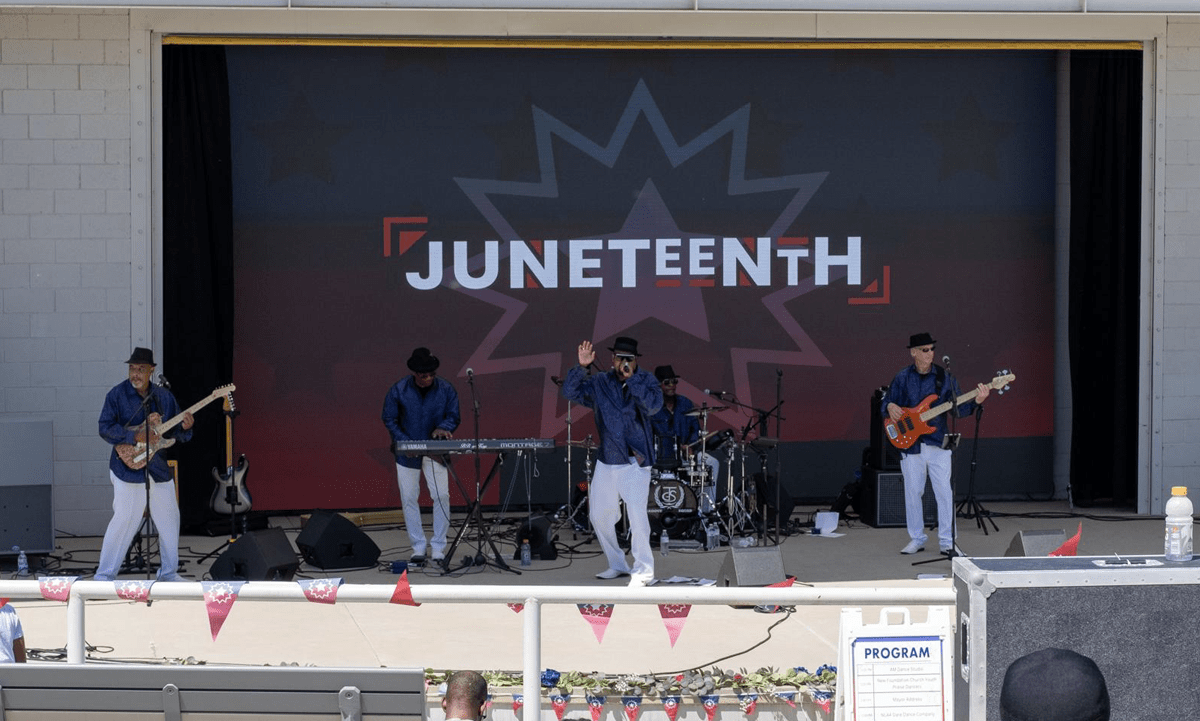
(913, 424)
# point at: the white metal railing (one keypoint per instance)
(532, 596)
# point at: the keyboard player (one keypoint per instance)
(422, 406)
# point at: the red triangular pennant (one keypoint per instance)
(56, 588)
(134, 590)
(597, 614)
(1070, 547)
(403, 593)
(671, 706)
(321, 590)
(516, 607)
(218, 599)
(559, 703)
(674, 615)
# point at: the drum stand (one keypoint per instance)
(709, 518)
(576, 498)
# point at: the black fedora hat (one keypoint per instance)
(422, 361)
(625, 346)
(663, 373)
(141, 356)
(920, 339)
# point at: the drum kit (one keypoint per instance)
(685, 485)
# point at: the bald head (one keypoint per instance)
(466, 696)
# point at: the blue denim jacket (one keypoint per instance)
(909, 388)
(410, 416)
(120, 420)
(622, 421)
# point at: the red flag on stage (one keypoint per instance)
(597, 614)
(218, 599)
(403, 593)
(1070, 547)
(674, 615)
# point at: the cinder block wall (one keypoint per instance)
(65, 278)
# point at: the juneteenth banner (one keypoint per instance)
(755, 218)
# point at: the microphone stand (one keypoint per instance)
(141, 558)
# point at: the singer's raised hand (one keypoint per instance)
(587, 354)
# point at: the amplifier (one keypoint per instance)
(882, 500)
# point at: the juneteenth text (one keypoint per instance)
(667, 261)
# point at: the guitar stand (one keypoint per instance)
(475, 516)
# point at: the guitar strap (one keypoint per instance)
(939, 380)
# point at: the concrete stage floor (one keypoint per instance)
(489, 636)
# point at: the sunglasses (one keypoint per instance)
(930, 349)
(671, 382)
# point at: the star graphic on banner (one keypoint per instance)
(56, 584)
(649, 213)
(301, 142)
(322, 588)
(220, 593)
(970, 141)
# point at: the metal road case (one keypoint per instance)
(1137, 617)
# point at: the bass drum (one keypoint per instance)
(672, 507)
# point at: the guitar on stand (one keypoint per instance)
(230, 496)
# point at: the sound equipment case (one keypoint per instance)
(1135, 616)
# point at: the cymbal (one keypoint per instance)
(705, 409)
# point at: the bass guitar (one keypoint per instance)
(137, 455)
(913, 424)
(230, 495)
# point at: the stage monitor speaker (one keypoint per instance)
(883, 500)
(1036, 543)
(331, 541)
(754, 566)
(537, 531)
(766, 494)
(883, 455)
(258, 556)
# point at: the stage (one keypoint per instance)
(452, 636)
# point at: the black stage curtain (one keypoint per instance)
(1106, 137)
(197, 258)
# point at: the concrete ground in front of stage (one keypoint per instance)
(489, 636)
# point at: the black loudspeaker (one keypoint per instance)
(537, 531)
(754, 566)
(1036, 543)
(766, 494)
(883, 455)
(329, 540)
(258, 556)
(883, 500)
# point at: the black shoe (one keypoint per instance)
(418, 559)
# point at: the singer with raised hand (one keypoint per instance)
(123, 421)
(927, 457)
(623, 400)
(419, 407)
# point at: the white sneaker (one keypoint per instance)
(914, 546)
(640, 581)
(611, 573)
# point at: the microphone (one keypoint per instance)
(163, 382)
(718, 394)
(470, 372)
(556, 380)
(946, 360)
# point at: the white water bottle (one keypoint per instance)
(526, 553)
(22, 562)
(1178, 545)
(664, 543)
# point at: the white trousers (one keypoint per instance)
(611, 485)
(437, 479)
(714, 475)
(129, 504)
(936, 463)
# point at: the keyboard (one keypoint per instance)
(467, 445)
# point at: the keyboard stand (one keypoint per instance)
(475, 516)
